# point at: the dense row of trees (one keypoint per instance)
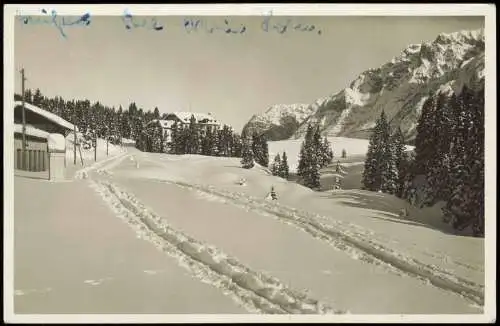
(449, 151)
(315, 154)
(385, 160)
(449, 155)
(280, 166)
(254, 149)
(95, 118)
(191, 139)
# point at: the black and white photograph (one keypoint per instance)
(249, 162)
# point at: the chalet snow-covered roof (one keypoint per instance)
(163, 123)
(46, 114)
(186, 116)
(31, 131)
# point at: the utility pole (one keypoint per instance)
(74, 135)
(23, 79)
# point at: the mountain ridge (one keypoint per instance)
(400, 87)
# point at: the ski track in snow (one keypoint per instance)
(414, 246)
(349, 238)
(356, 244)
(360, 231)
(255, 291)
(109, 163)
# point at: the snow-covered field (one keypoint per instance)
(356, 223)
(356, 150)
(87, 159)
(74, 256)
(309, 252)
(103, 151)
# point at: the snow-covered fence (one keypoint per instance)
(44, 156)
(34, 158)
(57, 156)
(32, 161)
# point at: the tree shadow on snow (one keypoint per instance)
(388, 211)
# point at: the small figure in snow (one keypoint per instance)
(273, 194)
(136, 164)
(242, 182)
(337, 168)
(403, 213)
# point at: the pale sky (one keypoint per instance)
(231, 76)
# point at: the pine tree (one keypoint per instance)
(284, 170)
(438, 166)
(156, 138)
(477, 146)
(425, 141)
(344, 153)
(467, 199)
(247, 156)
(37, 98)
(326, 152)
(313, 176)
(174, 138)
(208, 143)
(276, 166)
(28, 96)
(389, 167)
(408, 174)
(226, 140)
(221, 146)
(260, 149)
(236, 145)
(380, 172)
(370, 177)
(193, 137)
(310, 158)
(125, 128)
(132, 112)
(184, 137)
(398, 143)
(305, 155)
(316, 144)
(256, 149)
(264, 151)
(303, 160)
(302, 163)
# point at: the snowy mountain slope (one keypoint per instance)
(280, 121)
(400, 87)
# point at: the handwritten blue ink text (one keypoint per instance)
(57, 21)
(269, 24)
(272, 23)
(131, 22)
(194, 25)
